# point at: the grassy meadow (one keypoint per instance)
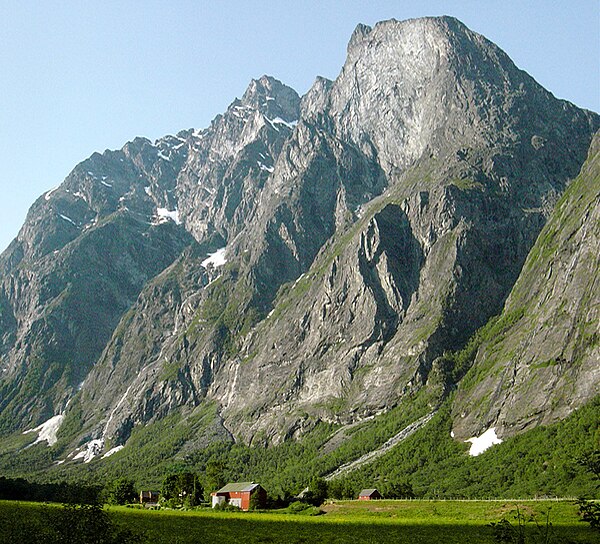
(343, 522)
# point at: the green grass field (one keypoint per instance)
(412, 522)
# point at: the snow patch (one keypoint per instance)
(47, 195)
(215, 259)
(162, 156)
(280, 121)
(148, 191)
(111, 451)
(165, 215)
(47, 430)
(106, 184)
(264, 167)
(67, 219)
(92, 449)
(481, 443)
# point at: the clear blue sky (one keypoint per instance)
(78, 77)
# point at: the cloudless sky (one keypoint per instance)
(78, 77)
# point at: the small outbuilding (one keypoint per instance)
(240, 494)
(149, 498)
(369, 495)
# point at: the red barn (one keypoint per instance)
(239, 494)
(369, 495)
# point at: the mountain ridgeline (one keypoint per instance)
(318, 260)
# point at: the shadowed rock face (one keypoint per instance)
(545, 362)
(369, 227)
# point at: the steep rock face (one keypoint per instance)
(79, 262)
(218, 186)
(544, 364)
(464, 148)
(88, 247)
(409, 92)
(408, 195)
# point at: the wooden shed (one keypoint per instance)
(239, 494)
(369, 495)
(149, 497)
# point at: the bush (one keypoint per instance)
(590, 512)
(506, 532)
(303, 509)
(122, 491)
(226, 507)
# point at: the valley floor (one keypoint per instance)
(415, 522)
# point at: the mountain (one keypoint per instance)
(313, 260)
(544, 362)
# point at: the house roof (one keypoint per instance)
(238, 487)
(367, 492)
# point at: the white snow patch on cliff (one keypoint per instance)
(164, 215)
(264, 167)
(105, 184)
(92, 448)
(215, 259)
(111, 451)
(67, 219)
(280, 121)
(47, 195)
(481, 443)
(47, 430)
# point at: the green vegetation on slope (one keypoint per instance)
(541, 462)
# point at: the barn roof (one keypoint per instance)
(367, 492)
(238, 487)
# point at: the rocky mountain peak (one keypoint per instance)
(272, 98)
(360, 33)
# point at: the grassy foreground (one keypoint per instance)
(412, 522)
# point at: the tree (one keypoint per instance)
(317, 492)
(590, 510)
(397, 490)
(122, 491)
(340, 489)
(182, 489)
(213, 477)
(591, 462)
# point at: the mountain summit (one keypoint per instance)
(300, 262)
